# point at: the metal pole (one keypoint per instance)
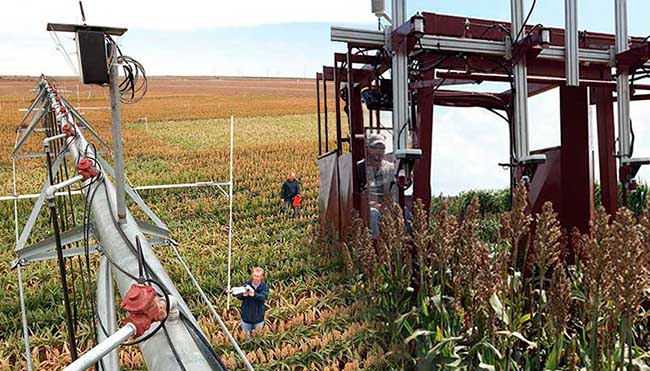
(520, 72)
(116, 120)
(23, 314)
(21, 294)
(623, 83)
(327, 130)
(72, 342)
(337, 109)
(320, 141)
(95, 354)
(399, 75)
(106, 313)
(572, 61)
(232, 141)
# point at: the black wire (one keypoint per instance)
(504, 117)
(134, 86)
(633, 138)
(140, 259)
(523, 25)
(499, 26)
(173, 349)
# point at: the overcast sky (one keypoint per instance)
(291, 38)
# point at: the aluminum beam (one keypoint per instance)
(399, 77)
(134, 196)
(32, 107)
(572, 60)
(520, 92)
(85, 123)
(36, 119)
(464, 45)
(106, 316)
(67, 237)
(116, 131)
(43, 254)
(623, 83)
(36, 210)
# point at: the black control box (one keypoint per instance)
(93, 61)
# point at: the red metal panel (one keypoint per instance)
(357, 134)
(446, 25)
(546, 182)
(604, 100)
(422, 172)
(531, 79)
(537, 67)
(577, 164)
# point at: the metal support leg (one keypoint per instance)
(576, 162)
(357, 138)
(327, 130)
(118, 155)
(320, 141)
(520, 75)
(399, 76)
(337, 107)
(230, 186)
(606, 148)
(23, 315)
(106, 313)
(623, 83)
(422, 172)
(571, 41)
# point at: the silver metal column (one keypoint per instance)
(520, 72)
(156, 350)
(399, 75)
(571, 43)
(623, 83)
(106, 313)
(116, 132)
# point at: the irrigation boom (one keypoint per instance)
(171, 341)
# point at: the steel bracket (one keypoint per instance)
(633, 58)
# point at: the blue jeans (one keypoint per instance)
(248, 327)
(288, 205)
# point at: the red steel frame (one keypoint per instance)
(567, 182)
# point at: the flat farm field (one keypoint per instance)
(178, 134)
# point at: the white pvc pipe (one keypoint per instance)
(21, 293)
(232, 140)
(100, 350)
(51, 190)
(138, 188)
(47, 140)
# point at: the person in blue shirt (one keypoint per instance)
(290, 189)
(253, 309)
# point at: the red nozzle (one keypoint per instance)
(143, 307)
(68, 130)
(86, 169)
